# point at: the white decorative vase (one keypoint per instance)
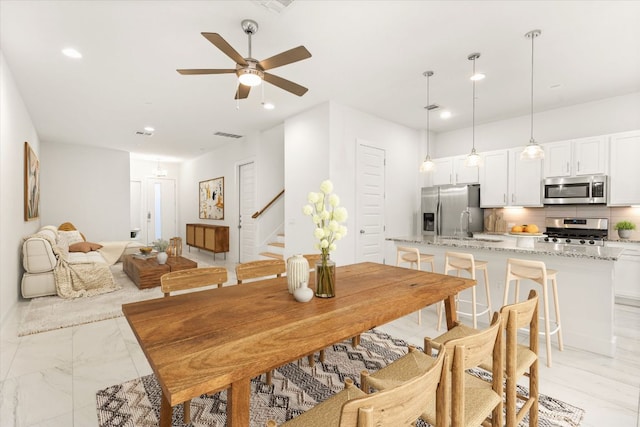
(297, 272)
(303, 293)
(162, 257)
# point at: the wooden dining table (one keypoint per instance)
(212, 340)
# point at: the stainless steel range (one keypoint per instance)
(577, 231)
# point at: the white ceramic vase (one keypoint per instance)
(162, 257)
(303, 293)
(297, 272)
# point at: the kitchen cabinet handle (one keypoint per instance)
(513, 198)
(504, 197)
(567, 167)
(578, 165)
(457, 179)
(450, 179)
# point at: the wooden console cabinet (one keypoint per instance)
(214, 238)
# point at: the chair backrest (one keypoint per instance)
(408, 254)
(259, 269)
(526, 269)
(520, 315)
(401, 405)
(192, 278)
(460, 261)
(469, 352)
(312, 259)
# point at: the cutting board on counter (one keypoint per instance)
(494, 223)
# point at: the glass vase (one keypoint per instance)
(325, 278)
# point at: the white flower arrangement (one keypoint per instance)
(326, 216)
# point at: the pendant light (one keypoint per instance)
(473, 159)
(533, 150)
(428, 164)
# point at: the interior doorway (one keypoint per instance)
(247, 235)
(161, 213)
(370, 196)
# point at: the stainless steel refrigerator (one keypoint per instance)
(451, 210)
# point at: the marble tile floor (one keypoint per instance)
(50, 379)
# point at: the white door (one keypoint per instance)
(247, 207)
(370, 193)
(161, 209)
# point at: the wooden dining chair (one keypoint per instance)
(396, 406)
(260, 269)
(193, 278)
(471, 399)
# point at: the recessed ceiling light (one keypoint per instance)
(149, 128)
(268, 106)
(477, 76)
(445, 115)
(71, 53)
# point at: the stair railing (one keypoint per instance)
(261, 211)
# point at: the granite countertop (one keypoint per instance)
(508, 244)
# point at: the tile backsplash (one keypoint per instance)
(537, 216)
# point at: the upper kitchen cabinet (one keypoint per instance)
(505, 180)
(585, 156)
(451, 170)
(625, 175)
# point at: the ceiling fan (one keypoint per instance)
(250, 71)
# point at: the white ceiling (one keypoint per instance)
(369, 55)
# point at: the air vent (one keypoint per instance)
(227, 135)
(432, 107)
(144, 133)
(277, 6)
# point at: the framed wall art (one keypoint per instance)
(31, 184)
(212, 199)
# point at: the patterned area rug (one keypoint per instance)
(296, 388)
(49, 313)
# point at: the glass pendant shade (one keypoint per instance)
(427, 165)
(533, 150)
(249, 79)
(473, 159)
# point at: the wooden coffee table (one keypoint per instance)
(146, 272)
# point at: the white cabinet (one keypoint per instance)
(627, 273)
(585, 156)
(451, 170)
(508, 181)
(625, 173)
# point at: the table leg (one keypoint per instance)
(450, 311)
(238, 403)
(165, 412)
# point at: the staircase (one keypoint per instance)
(275, 250)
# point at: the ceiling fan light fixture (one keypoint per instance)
(250, 77)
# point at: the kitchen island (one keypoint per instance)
(586, 280)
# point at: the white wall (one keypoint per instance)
(321, 144)
(606, 116)
(87, 186)
(266, 150)
(16, 127)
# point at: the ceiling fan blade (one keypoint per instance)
(225, 47)
(242, 92)
(285, 84)
(292, 55)
(207, 71)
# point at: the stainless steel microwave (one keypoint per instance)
(579, 190)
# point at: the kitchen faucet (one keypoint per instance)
(466, 212)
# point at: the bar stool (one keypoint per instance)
(459, 261)
(414, 257)
(520, 269)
